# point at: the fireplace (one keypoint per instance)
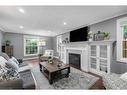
(77, 56)
(75, 60)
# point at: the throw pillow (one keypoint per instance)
(2, 61)
(5, 56)
(12, 64)
(15, 60)
(8, 74)
(124, 76)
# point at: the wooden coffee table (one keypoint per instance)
(53, 72)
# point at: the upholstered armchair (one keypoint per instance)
(113, 81)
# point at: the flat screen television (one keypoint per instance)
(79, 34)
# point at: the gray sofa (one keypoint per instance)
(113, 81)
(26, 80)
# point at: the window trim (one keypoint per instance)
(59, 42)
(27, 37)
(119, 41)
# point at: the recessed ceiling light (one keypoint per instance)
(65, 23)
(21, 10)
(21, 27)
(49, 31)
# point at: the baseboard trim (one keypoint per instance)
(30, 58)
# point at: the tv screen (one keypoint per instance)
(79, 34)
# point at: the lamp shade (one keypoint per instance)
(42, 43)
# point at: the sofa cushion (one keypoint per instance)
(23, 64)
(15, 60)
(124, 76)
(8, 74)
(28, 79)
(113, 81)
(24, 68)
(12, 64)
(2, 61)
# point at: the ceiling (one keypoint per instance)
(53, 20)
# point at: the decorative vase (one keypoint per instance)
(50, 60)
(106, 38)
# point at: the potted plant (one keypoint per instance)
(90, 36)
(7, 43)
(50, 60)
(106, 35)
(125, 35)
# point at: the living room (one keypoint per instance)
(78, 48)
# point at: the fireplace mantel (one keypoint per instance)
(76, 48)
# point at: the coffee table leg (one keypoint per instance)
(40, 67)
(50, 78)
(68, 72)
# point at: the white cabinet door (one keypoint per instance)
(93, 57)
(103, 63)
(99, 58)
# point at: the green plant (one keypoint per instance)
(106, 34)
(125, 35)
(7, 42)
(50, 59)
(90, 35)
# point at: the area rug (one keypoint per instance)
(76, 80)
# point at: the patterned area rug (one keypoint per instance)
(76, 80)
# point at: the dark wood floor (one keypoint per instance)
(98, 85)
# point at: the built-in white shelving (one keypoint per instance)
(98, 55)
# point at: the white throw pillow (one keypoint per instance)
(124, 76)
(12, 64)
(2, 61)
(15, 60)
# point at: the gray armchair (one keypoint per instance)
(113, 81)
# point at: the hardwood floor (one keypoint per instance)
(97, 86)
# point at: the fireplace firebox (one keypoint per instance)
(75, 60)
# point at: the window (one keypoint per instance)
(122, 40)
(125, 41)
(31, 46)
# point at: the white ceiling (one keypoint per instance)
(50, 20)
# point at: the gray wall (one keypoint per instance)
(18, 44)
(109, 26)
(55, 46)
(1, 38)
